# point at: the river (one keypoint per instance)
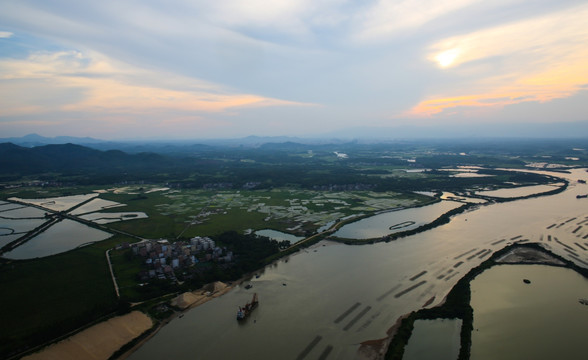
(322, 302)
(543, 318)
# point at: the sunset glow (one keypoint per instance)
(294, 67)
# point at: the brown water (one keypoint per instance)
(519, 191)
(540, 320)
(336, 296)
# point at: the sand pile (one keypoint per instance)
(184, 300)
(197, 297)
(99, 341)
(218, 286)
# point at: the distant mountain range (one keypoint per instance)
(386, 136)
(195, 165)
(365, 134)
(31, 140)
(158, 146)
(72, 159)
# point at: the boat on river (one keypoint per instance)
(246, 310)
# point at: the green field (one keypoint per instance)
(44, 298)
(198, 212)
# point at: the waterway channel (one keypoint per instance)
(322, 302)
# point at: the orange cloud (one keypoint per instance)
(490, 101)
(103, 94)
(540, 59)
(70, 81)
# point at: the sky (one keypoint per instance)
(182, 69)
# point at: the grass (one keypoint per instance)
(45, 192)
(126, 271)
(170, 213)
(237, 220)
(47, 297)
(156, 226)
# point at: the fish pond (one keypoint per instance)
(391, 222)
(279, 236)
(63, 236)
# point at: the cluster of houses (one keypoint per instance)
(163, 258)
(344, 187)
(37, 183)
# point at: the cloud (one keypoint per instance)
(5, 34)
(538, 60)
(386, 19)
(75, 82)
(246, 65)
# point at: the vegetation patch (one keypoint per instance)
(44, 298)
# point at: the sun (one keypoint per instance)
(446, 58)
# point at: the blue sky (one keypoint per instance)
(226, 68)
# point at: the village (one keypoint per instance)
(163, 259)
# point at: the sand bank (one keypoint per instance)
(199, 297)
(520, 255)
(99, 341)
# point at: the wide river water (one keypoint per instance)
(322, 302)
(544, 319)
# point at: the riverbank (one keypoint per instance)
(185, 302)
(376, 349)
(441, 220)
(189, 300)
(98, 342)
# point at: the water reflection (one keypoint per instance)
(539, 320)
(519, 191)
(63, 236)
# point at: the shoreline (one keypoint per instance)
(202, 298)
(443, 218)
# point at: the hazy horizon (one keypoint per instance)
(230, 69)
(554, 131)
